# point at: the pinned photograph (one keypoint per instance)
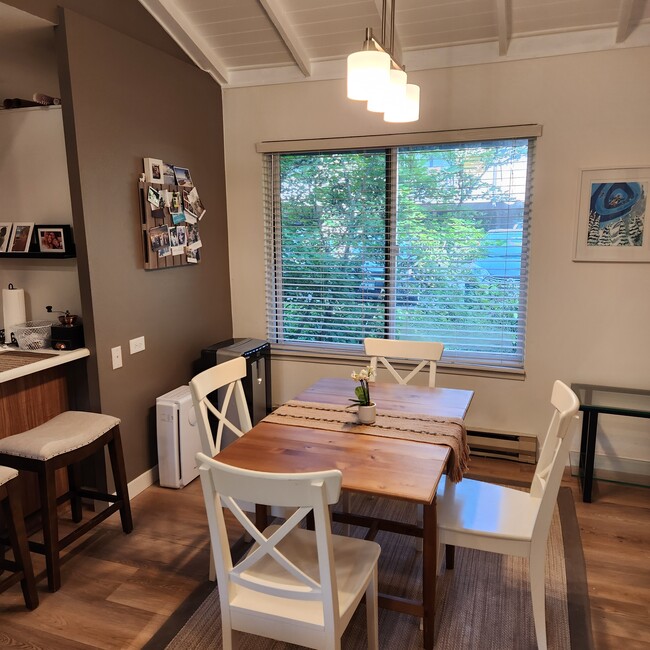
(178, 218)
(153, 170)
(169, 177)
(192, 203)
(155, 198)
(183, 177)
(21, 237)
(159, 237)
(193, 237)
(51, 240)
(176, 204)
(181, 234)
(176, 247)
(5, 234)
(193, 255)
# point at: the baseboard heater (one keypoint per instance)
(499, 444)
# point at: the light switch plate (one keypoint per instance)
(136, 345)
(116, 356)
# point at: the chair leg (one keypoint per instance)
(450, 556)
(13, 512)
(74, 482)
(47, 489)
(537, 561)
(119, 476)
(372, 612)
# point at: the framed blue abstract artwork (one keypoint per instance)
(613, 216)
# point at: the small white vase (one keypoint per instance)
(367, 414)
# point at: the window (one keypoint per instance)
(421, 242)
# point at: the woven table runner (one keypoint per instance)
(16, 359)
(389, 424)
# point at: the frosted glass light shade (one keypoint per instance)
(393, 91)
(407, 109)
(367, 70)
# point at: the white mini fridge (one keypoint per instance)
(178, 438)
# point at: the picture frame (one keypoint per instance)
(613, 215)
(21, 238)
(5, 236)
(153, 170)
(53, 238)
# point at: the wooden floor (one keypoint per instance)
(119, 589)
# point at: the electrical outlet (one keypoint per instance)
(116, 356)
(136, 345)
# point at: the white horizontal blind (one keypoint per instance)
(419, 242)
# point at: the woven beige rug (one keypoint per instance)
(389, 424)
(484, 603)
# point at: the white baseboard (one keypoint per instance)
(142, 482)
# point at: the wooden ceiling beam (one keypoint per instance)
(504, 24)
(277, 13)
(174, 22)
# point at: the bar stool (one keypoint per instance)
(64, 441)
(21, 567)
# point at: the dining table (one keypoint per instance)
(383, 466)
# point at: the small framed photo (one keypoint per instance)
(51, 239)
(21, 237)
(159, 237)
(612, 216)
(5, 235)
(192, 204)
(183, 177)
(153, 170)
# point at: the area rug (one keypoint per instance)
(483, 603)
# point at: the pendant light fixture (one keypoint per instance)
(376, 77)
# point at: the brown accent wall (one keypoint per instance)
(124, 100)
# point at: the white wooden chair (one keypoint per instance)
(427, 352)
(295, 585)
(228, 376)
(489, 517)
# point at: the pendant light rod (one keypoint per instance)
(371, 43)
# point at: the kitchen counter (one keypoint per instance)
(49, 359)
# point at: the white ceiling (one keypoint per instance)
(258, 42)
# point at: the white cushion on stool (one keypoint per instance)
(65, 432)
(6, 474)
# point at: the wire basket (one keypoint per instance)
(34, 334)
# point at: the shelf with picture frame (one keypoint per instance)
(36, 241)
(152, 219)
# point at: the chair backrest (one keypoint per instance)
(555, 451)
(228, 376)
(426, 352)
(224, 485)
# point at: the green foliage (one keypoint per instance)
(338, 282)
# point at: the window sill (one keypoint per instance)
(356, 358)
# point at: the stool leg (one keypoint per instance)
(119, 476)
(50, 523)
(74, 483)
(13, 511)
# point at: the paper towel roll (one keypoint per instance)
(13, 310)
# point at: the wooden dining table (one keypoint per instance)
(406, 470)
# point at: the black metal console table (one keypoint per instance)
(631, 402)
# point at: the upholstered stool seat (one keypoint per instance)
(64, 441)
(21, 566)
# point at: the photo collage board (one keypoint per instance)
(171, 213)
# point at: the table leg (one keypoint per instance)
(429, 553)
(590, 452)
(583, 444)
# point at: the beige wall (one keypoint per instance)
(587, 322)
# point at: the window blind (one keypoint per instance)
(418, 242)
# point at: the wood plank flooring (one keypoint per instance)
(119, 589)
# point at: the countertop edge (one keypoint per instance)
(44, 364)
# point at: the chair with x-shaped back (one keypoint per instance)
(224, 380)
(212, 393)
(294, 585)
(426, 352)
